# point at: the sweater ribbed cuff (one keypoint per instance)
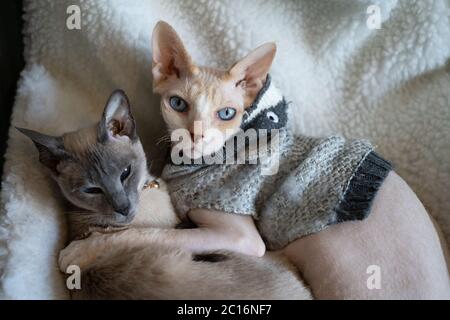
(363, 188)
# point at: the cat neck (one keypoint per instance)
(81, 222)
(154, 211)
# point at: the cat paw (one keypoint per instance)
(78, 253)
(68, 257)
(249, 245)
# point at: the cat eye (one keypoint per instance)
(125, 173)
(93, 190)
(226, 113)
(178, 104)
(272, 116)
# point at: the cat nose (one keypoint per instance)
(123, 210)
(195, 137)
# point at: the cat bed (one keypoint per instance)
(389, 85)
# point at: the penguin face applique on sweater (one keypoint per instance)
(269, 110)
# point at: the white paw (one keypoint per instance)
(69, 256)
(79, 253)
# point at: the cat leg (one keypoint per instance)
(166, 272)
(234, 232)
(395, 253)
(217, 231)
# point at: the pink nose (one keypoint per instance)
(196, 137)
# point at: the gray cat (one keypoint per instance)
(126, 228)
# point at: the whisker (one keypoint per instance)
(164, 139)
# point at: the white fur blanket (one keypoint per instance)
(391, 85)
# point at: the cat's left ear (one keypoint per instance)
(117, 120)
(250, 73)
(51, 149)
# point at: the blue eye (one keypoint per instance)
(178, 104)
(226, 113)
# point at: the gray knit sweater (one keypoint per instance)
(292, 185)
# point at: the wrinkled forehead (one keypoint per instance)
(210, 86)
(202, 83)
(102, 161)
(103, 158)
(81, 141)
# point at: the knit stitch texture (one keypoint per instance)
(313, 178)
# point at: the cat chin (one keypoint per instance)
(198, 150)
(208, 149)
(117, 218)
(204, 151)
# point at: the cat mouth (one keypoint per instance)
(204, 149)
(123, 219)
(196, 151)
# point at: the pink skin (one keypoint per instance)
(398, 236)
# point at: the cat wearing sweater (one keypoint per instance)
(333, 206)
(102, 172)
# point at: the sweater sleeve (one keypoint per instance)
(362, 188)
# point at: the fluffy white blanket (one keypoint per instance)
(390, 85)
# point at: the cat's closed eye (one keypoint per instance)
(226, 113)
(178, 104)
(93, 190)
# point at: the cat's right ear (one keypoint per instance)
(169, 56)
(250, 73)
(51, 149)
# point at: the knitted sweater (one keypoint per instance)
(292, 185)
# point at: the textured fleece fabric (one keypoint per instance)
(294, 186)
(390, 85)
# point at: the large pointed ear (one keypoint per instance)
(51, 149)
(251, 72)
(117, 120)
(170, 58)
